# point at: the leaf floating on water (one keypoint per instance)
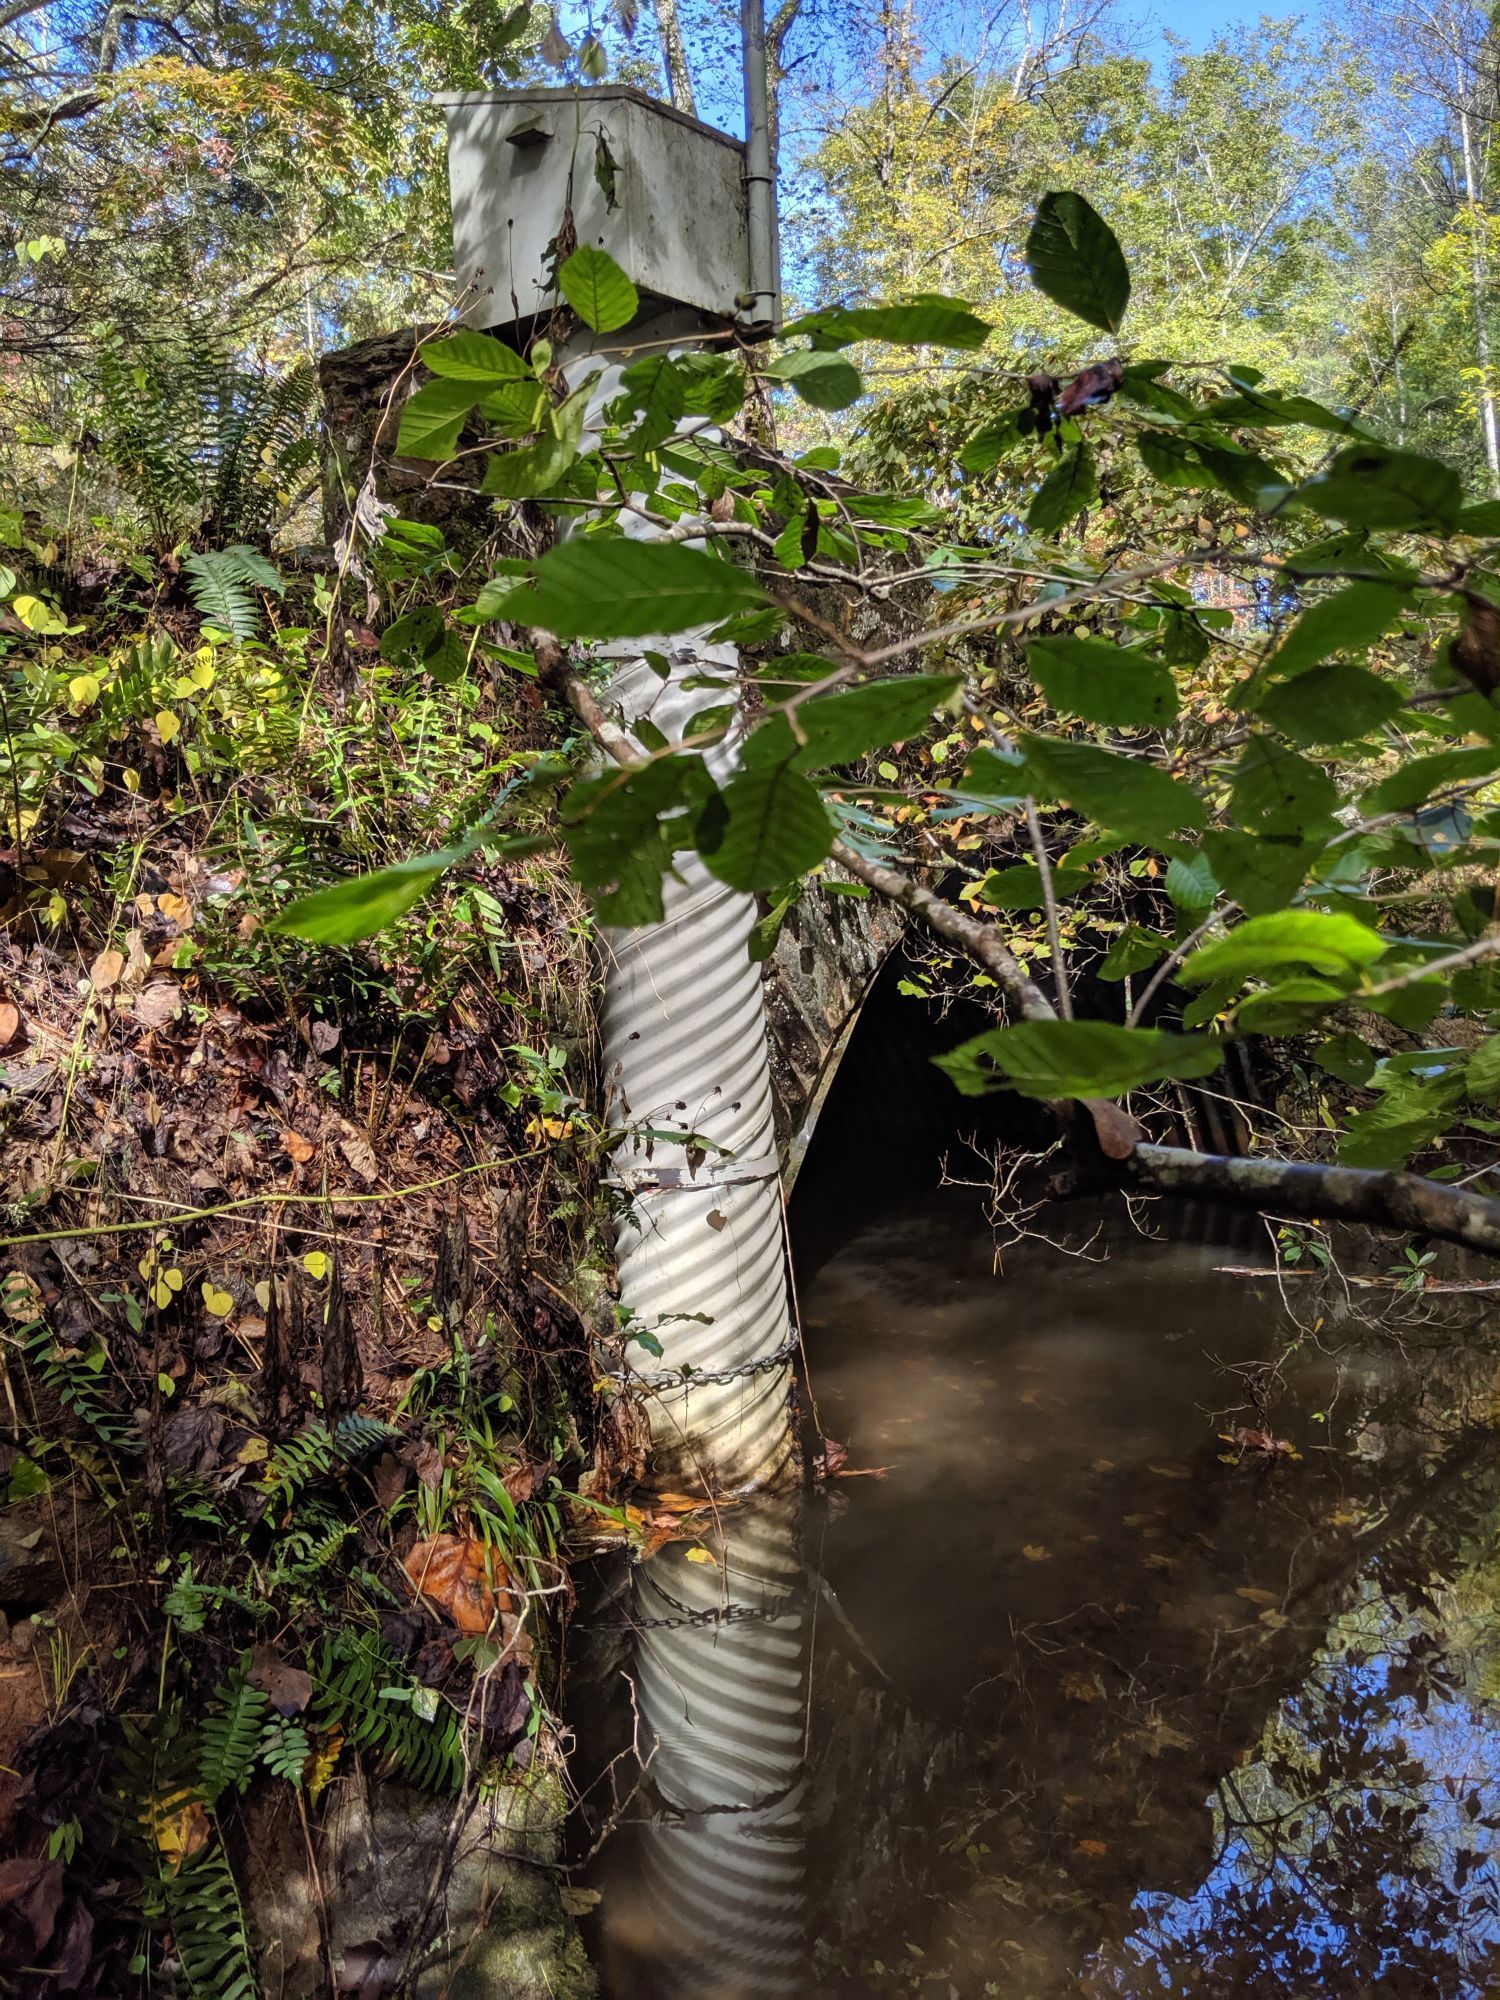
(1037, 1552)
(1253, 1596)
(1093, 1848)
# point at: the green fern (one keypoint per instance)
(284, 1749)
(208, 1927)
(221, 583)
(302, 1459)
(71, 1374)
(230, 1738)
(364, 1692)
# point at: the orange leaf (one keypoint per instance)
(463, 1578)
(300, 1149)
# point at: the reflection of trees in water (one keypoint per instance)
(1359, 1852)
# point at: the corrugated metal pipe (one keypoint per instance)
(700, 1251)
(722, 1678)
(699, 1247)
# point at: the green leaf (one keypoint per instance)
(1075, 1059)
(776, 827)
(1327, 941)
(1278, 791)
(365, 904)
(921, 323)
(1260, 872)
(1124, 793)
(1387, 1134)
(1269, 410)
(1140, 385)
(598, 290)
(1290, 1007)
(1132, 951)
(1076, 260)
(1020, 888)
(473, 357)
(534, 469)
(1067, 490)
(1192, 884)
(1415, 782)
(1331, 705)
(840, 727)
(1347, 1056)
(1482, 1072)
(1347, 622)
(1172, 460)
(622, 832)
(992, 441)
(432, 419)
(1114, 685)
(827, 381)
(1373, 486)
(607, 587)
(656, 388)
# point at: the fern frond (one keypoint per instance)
(364, 1693)
(284, 1749)
(306, 1457)
(73, 1375)
(230, 1736)
(208, 1927)
(221, 582)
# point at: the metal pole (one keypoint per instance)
(760, 175)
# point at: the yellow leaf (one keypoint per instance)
(220, 1304)
(83, 690)
(263, 1295)
(167, 725)
(254, 1451)
(178, 908)
(1037, 1552)
(57, 908)
(178, 1825)
(700, 1555)
(201, 674)
(315, 1263)
(172, 1279)
(131, 778)
(1253, 1596)
(322, 1762)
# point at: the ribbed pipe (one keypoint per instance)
(723, 1703)
(699, 1250)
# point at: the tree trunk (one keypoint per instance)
(674, 58)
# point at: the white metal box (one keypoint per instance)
(519, 160)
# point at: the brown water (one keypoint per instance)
(1077, 1698)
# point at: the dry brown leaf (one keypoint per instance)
(289, 1688)
(1253, 1596)
(360, 1154)
(1037, 1552)
(106, 969)
(300, 1149)
(158, 1003)
(10, 1023)
(1093, 1848)
(177, 908)
(463, 1578)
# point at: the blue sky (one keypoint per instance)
(1198, 21)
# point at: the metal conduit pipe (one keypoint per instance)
(722, 1681)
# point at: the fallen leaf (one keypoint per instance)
(179, 1826)
(177, 908)
(324, 1036)
(321, 1762)
(1080, 1687)
(1253, 1596)
(1037, 1552)
(10, 1023)
(315, 1263)
(219, 1303)
(106, 969)
(360, 1154)
(700, 1555)
(300, 1149)
(288, 1688)
(578, 1902)
(158, 1003)
(1093, 1848)
(462, 1577)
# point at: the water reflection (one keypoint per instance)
(1092, 1703)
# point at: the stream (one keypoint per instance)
(1146, 1644)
